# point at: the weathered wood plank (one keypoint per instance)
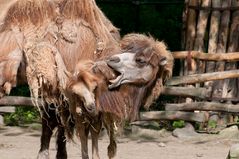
(203, 106)
(201, 33)
(190, 33)
(173, 115)
(187, 92)
(201, 26)
(184, 24)
(217, 86)
(8, 109)
(17, 101)
(213, 34)
(229, 57)
(198, 78)
(229, 89)
(191, 25)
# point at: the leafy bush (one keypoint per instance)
(23, 115)
(178, 124)
(212, 124)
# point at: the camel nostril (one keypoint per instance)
(114, 59)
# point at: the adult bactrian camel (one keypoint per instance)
(50, 37)
(143, 67)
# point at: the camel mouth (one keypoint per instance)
(117, 81)
(91, 109)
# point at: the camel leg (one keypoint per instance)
(95, 131)
(61, 144)
(109, 125)
(112, 148)
(83, 132)
(48, 125)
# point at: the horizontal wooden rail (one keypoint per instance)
(17, 101)
(204, 106)
(173, 115)
(202, 93)
(233, 56)
(7, 109)
(198, 78)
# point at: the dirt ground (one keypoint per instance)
(23, 143)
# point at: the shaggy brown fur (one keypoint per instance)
(10, 59)
(124, 103)
(23, 12)
(71, 30)
(149, 48)
(54, 35)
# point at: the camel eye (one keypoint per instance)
(141, 61)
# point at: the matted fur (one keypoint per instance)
(89, 11)
(101, 27)
(23, 12)
(10, 58)
(75, 29)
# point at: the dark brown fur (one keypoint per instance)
(124, 103)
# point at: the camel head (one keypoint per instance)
(143, 60)
(82, 84)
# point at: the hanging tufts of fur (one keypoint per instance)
(46, 72)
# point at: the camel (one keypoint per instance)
(143, 67)
(43, 47)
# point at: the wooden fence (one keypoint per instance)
(178, 86)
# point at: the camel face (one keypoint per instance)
(86, 95)
(132, 68)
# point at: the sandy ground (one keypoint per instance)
(23, 143)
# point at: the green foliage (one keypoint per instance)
(212, 124)
(178, 124)
(23, 115)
